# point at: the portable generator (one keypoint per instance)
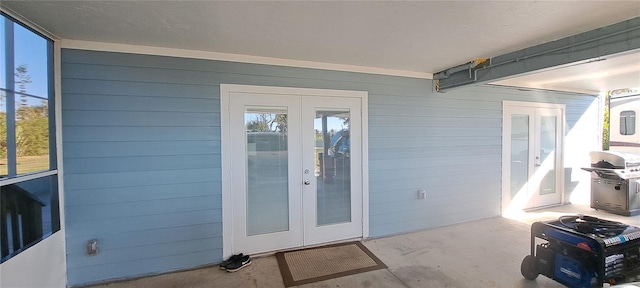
(583, 251)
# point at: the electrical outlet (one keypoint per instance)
(422, 194)
(93, 247)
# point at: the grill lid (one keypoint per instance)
(614, 159)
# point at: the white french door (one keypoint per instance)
(265, 190)
(332, 169)
(533, 137)
(295, 170)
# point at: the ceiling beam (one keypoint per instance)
(585, 47)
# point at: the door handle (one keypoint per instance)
(307, 182)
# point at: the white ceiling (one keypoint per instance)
(421, 36)
(604, 74)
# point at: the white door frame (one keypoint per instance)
(225, 93)
(506, 150)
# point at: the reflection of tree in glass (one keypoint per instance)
(345, 121)
(3, 133)
(32, 121)
(32, 135)
(267, 122)
(22, 79)
(3, 129)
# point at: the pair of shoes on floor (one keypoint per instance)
(236, 262)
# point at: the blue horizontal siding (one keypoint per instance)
(91, 165)
(141, 144)
(453, 189)
(431, 181)
(140, 193)
(430, 176)
(437, 161)
(139, 178)
(97, 87)
(90, 149)
(124, 224)
(148, 251)
(101, 133)
(144, 208)
(150, 237)
(96, 118)
(140, 103)
(148, 266)
(419, 140)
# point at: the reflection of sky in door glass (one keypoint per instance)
(31, 50)
(3, 80)
(333, 123)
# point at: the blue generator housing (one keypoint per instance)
(572, 272)
(583, 251)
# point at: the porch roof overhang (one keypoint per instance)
(620, 41)
(413, 39)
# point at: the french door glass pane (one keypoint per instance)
(519, 153)
(547, 153)
(333, 173)
(267, 170)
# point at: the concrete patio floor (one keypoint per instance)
(483, 253)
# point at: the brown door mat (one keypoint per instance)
(326, 262)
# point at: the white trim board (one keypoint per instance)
(57, 76)
(42, 265)
(533, 104)
(208, 55)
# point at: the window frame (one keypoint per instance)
(11, 94)
(13, 177)
(628, 126)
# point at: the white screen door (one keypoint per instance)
(532, 155)
(295, 170)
